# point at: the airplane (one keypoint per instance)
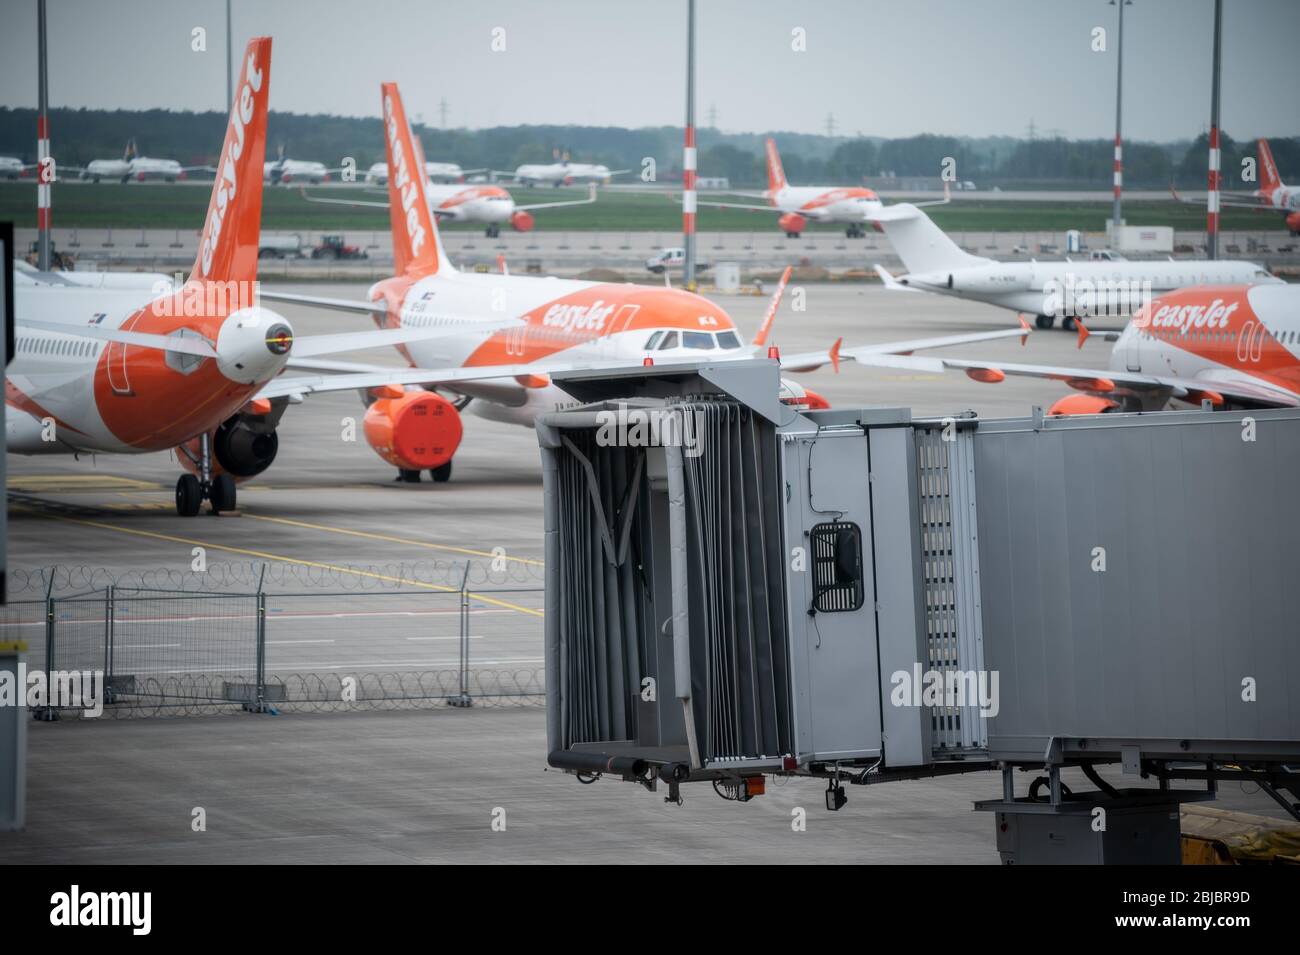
(127, 367)
(491, 205)
(1045, 289)
(436, 171)
(1235, 346)
(12, 168)
(132, 166)
(800, 205)
(1272, 194)
(562, 173)
(503, 373)
(284, 171)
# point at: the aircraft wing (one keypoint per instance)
(1235, 200)
(334, 304)
(591, 197)
(1098, 381)
(947, 198)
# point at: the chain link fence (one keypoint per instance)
(269, 637)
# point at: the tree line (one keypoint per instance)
(80, 135)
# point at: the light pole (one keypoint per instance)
(45, 169)
(688, 153)
(1216, 156)
(1118, 183)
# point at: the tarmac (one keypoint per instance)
(422, 785)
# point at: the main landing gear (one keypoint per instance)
(1044, 321)
(492, 231)
(438, 475)
(855, 231)
(191, 490)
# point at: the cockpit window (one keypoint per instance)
(702, 340)
(669, 341)
(654, 340)
(728, 340)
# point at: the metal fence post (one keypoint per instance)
(261, 643)
(464, 699)
(48, 713)
(109, 611)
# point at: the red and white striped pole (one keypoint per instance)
(688, 154)
(1216, 157)
(45, 171)
(1117, 182)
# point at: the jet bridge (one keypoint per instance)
(737, 587)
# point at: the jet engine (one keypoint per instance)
(413, 430)
(1082, 404)
(792, 224)
(1293, 223)
(242, 446)
(522, 221)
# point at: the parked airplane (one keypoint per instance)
(284, 171)
(436, 171)
(503, 373)
(11, 167)
(133, 166)
(1046, 289)
(799, 205)
(130, 368)
(1236, 346)
(491, 205)
(562, 173)
(1272, 194)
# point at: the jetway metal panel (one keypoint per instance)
(1138, 583)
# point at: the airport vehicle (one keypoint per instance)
(273, 246)
(1272, 194)
(797, 206)
(333, 247)
(491, 205)
(131, 368)
(863, 597)
(563, 173)
(133, 166)
(511, 333)
(674, 258)
(1047, 290)
(11, 167)
(1235, 346)
(377, 174)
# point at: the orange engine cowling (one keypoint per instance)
(522, 221)
(792, 222)
(418, 430)
(1293, 223)
(1082, 404)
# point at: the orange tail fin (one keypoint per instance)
(775, 174)
(416, 247)
(228, 247)
(1268, 177)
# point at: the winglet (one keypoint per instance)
(501, 265)
(769, 316)
(835, 354)
(415, 236)
(1083, 333)
(1024, 339)
(228, 243)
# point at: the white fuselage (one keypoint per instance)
(1282, 198)
(10, 167)
(556, 173)
(139, 168)
(460, 203)
(1081, 289)
(558, 320)
(295, 171)
(826, 203)
(436, 171)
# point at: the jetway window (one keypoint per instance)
(837, 567)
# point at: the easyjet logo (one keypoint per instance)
(408, 189)
(227, 187)
(578, 317)
(1184, 317)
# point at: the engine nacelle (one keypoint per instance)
(522, 221)
(1082, 404)
(419, 430)
(792, 222)
(804, 399)
(1293, 223)
(980, 279)
(238, 449)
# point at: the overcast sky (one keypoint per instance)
(887, 68)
